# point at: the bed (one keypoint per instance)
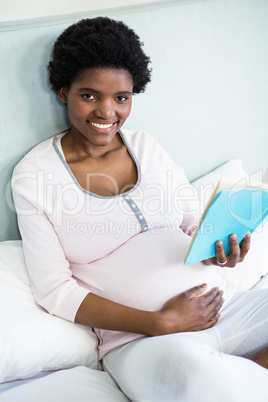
(46, 358)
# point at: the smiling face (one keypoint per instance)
(99, 102)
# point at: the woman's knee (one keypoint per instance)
(159, 368)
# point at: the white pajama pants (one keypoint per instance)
(204, 366)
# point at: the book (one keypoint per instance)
(236, 206)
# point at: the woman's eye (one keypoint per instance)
(121, 98)
(88, 96)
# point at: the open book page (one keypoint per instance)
(235, 207)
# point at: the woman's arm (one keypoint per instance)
(59, 293)
(187, 311)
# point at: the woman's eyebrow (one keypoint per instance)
(124, 93)
(99, 92)
(89, 90)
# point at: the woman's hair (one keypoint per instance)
(98, 42)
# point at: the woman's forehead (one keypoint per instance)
(101, 78)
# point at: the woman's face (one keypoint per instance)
(99, 102)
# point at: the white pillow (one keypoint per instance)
(255, 265)
(77, 384)
(246, 274)
(207, 183)
(31, 340)
(265, 176)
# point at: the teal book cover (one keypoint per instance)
(230, 211)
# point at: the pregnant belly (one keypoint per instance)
(144, 273)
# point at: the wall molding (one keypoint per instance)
(72, 17)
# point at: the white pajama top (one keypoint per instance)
(128, 248)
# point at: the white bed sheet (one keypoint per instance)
(12, 384)
(79, 384)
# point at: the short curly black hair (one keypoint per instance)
(98, 42)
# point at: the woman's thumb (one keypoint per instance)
(197, 290)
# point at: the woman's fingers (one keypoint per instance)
(234, 255)
(232, 259)
(191, 310)
(211, 295)
(196, 291)
(237, 253)
(221, 258)
(214, 307)
(212, 302)
(245, 246)
(212, 322)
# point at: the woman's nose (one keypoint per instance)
(105, 110)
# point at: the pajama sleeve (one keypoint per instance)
(50, 276)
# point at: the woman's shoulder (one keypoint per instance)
(147, 146)
(138, 137)
(40, 152)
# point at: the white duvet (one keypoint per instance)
(79, 384)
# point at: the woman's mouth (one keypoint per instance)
(102, 126)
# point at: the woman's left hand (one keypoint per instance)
(237, 254)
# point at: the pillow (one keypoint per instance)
(77, 384)
(247, 273)
(207, 183)
(265, 176)
(31, 340)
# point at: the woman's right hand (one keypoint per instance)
(188, 311)
(191, 310)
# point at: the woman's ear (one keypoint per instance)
(62, 94)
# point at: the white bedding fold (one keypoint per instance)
(79, 384)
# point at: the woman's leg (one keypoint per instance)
(191, 367)
(243, 326)
(179, 368)
(260, 357)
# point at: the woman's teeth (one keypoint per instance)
(101, 125)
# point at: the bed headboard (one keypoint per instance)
(207, 102)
